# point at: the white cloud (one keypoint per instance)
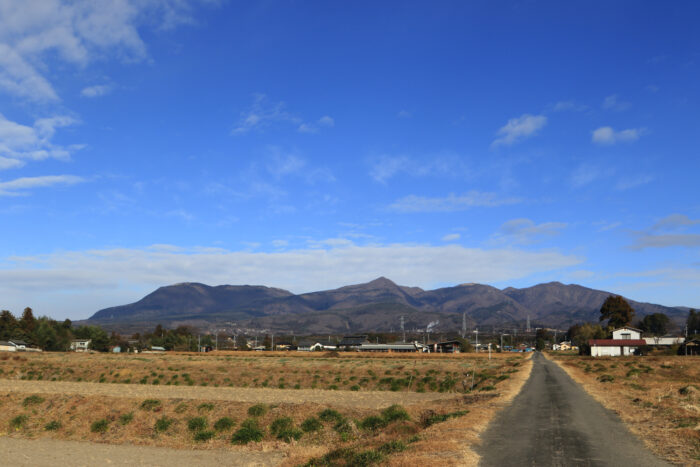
(307, 128)
(451, 237)
(19, 141)
(74, 32)
(452, 202)
(614, 103)
(6, 163)
(96, 91)
(100, 278)
(525, 231)
(19, 186)
(519, 128)
(404, 114)
(280, 243)
(607, 135)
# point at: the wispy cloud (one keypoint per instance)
(19, 186)
(525, 231)
(671, 231)
(572, 106)
(452, 202)
(519, 128)
(264, 113)
(96, 91)
(386, 166)
(451, 237)
(633, 181)
(607, 135)
(613, 102)
(90, 275)
(585, 174)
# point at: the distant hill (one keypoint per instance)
(374, 306)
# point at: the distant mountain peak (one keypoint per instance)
(383, 282)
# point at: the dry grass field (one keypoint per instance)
(434, 412)
(658, 397)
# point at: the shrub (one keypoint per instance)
(18, 422)
(606, 378)
(392, 447)
(366, 458)
(372, 423)
(430, 417)
(249, 431)
(126, 418)
(53, 426)
(330, 415)
(206, 406)
(203, 435)
(162, 424)
(280, 424)
(32, 400)
(395, 412)
(99, 426)
(289, 434)
(150, 404)
(181, 407)
(197, 423)
(257, 410)
(311, 424)
(224, 423)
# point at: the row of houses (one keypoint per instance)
(17, 345)
(628, 340)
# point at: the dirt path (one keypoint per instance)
(350, 399)
(553, 421)
(49, 453)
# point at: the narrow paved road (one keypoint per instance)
(554, 422)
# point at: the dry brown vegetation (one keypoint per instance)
(360, 434)
(657, 397)
(284, 370)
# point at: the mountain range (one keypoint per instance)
(371, 307)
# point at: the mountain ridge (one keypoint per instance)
(372, 306)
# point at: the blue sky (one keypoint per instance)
(309, 145)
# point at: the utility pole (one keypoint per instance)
(476, 331)
(464, 325)
(686, 339)
(199, 342)
(528, 323)
(272, 344)
(403, 329)
(216, 340)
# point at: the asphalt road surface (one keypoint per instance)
(554, 422)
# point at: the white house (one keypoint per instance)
(625, 342)
(80, 345)
(7, 347)
(19, 344)
(665, 340)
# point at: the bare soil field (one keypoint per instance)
(658, 397)
(399, 425)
